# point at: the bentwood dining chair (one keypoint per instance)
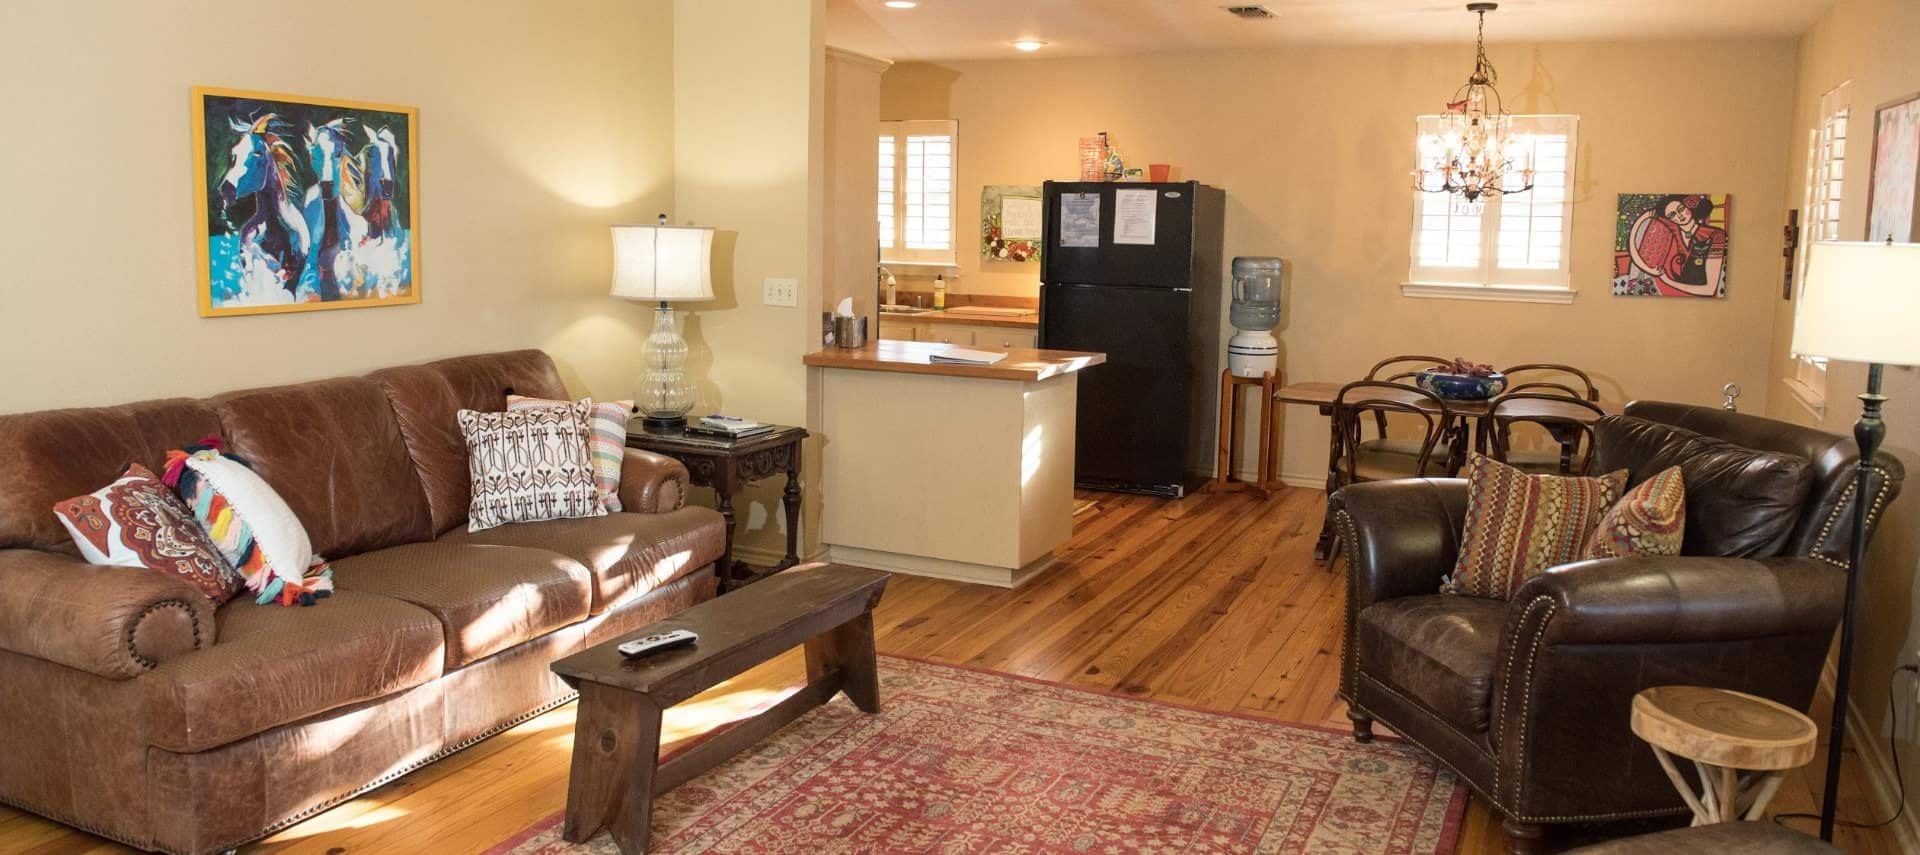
(1540, 376)
(1567, 418)
(1403, 369)
(1385, 457)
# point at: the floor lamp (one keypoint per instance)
(1860, 303)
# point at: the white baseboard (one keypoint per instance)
(1881, 783)
(941, 568)
(1310, 481)
(764, 557)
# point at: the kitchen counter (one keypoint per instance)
(913, 357)
(949, 316)
(960, 472)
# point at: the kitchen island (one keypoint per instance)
(954, 471)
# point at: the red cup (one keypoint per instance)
(1159, 173)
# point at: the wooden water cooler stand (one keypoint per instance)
(1224, 478)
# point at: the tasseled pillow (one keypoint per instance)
(250, 524)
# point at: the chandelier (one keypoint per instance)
(1474, 155)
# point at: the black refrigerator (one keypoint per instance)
(1133, 270)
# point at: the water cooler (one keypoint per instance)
(1254, 351)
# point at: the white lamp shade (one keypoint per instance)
(1860, 303)
(663, 263)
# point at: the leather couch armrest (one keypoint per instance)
(1400, 536)
(116, 622)
(651, 483)
(1679, 600)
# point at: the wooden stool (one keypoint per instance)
(1724, 733)
(1230, 453)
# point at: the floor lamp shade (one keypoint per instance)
(1860, 303)
(661, 264)
(656, 263)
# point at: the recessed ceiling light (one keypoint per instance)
(1029, 45)
(900, 4)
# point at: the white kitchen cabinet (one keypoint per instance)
(902, 330)
(960, 334)
(1004, 338)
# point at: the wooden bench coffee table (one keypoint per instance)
(616, 738)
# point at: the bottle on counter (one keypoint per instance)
(940, 291)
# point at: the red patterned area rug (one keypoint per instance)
(967, 761)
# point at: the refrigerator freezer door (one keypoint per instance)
(1132, 431)
(1166, 263)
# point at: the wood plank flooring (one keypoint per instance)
(1213, 601)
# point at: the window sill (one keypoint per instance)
(1803, 394)
(950, 265)
(1499, 293)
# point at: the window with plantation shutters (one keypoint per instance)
(1826, 177)
(1509, 247)
(916, 200)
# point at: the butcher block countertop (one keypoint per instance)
(911, 357)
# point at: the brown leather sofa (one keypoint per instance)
(1528, 700)
(132, 708)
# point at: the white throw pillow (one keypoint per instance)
(529, 465)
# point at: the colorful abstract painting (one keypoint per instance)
(1671, 245)
(304, 203)
(1891, 195)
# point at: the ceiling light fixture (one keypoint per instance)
(899, 4)
(1474, 155)
(1029, 45)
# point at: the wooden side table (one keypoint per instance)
(1723, 732)
(728, 465)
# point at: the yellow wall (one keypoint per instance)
(537, 131)
(1871, 43)
(746, 125)
(1312, 146)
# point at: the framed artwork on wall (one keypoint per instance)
(1895, 171)
(1010, 219)
(1671, 245)
(303, 203)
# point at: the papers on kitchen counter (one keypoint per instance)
(965, 356)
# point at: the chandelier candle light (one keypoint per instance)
(661, 264)
(1475, 155)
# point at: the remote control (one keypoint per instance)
(651, 644)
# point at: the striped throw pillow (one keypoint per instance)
(1519, 525)
(1651, 519)
(607, 442)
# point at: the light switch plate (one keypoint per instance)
(783, 292)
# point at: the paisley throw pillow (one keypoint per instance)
(137, 522)
(1651, 519)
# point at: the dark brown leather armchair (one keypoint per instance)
(1528, 700)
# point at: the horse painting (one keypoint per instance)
(330, 229)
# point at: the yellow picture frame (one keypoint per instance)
(318, 198)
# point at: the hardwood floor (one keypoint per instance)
(1213, 601)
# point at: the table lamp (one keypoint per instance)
(1860, 303)
(660, 264)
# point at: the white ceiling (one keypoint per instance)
(982, 29)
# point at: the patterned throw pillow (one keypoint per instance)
(250, 524)
(607, 421)
(1518, 525)
(1650, 519)
(529, 465)
(137, 522)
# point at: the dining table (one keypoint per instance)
(1321, 395)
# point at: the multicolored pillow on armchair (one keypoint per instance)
(1518, 525)
(137, 522)
(606, 440)
(1651, 519)
(250, 524)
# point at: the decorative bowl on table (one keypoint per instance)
(1461, 387)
